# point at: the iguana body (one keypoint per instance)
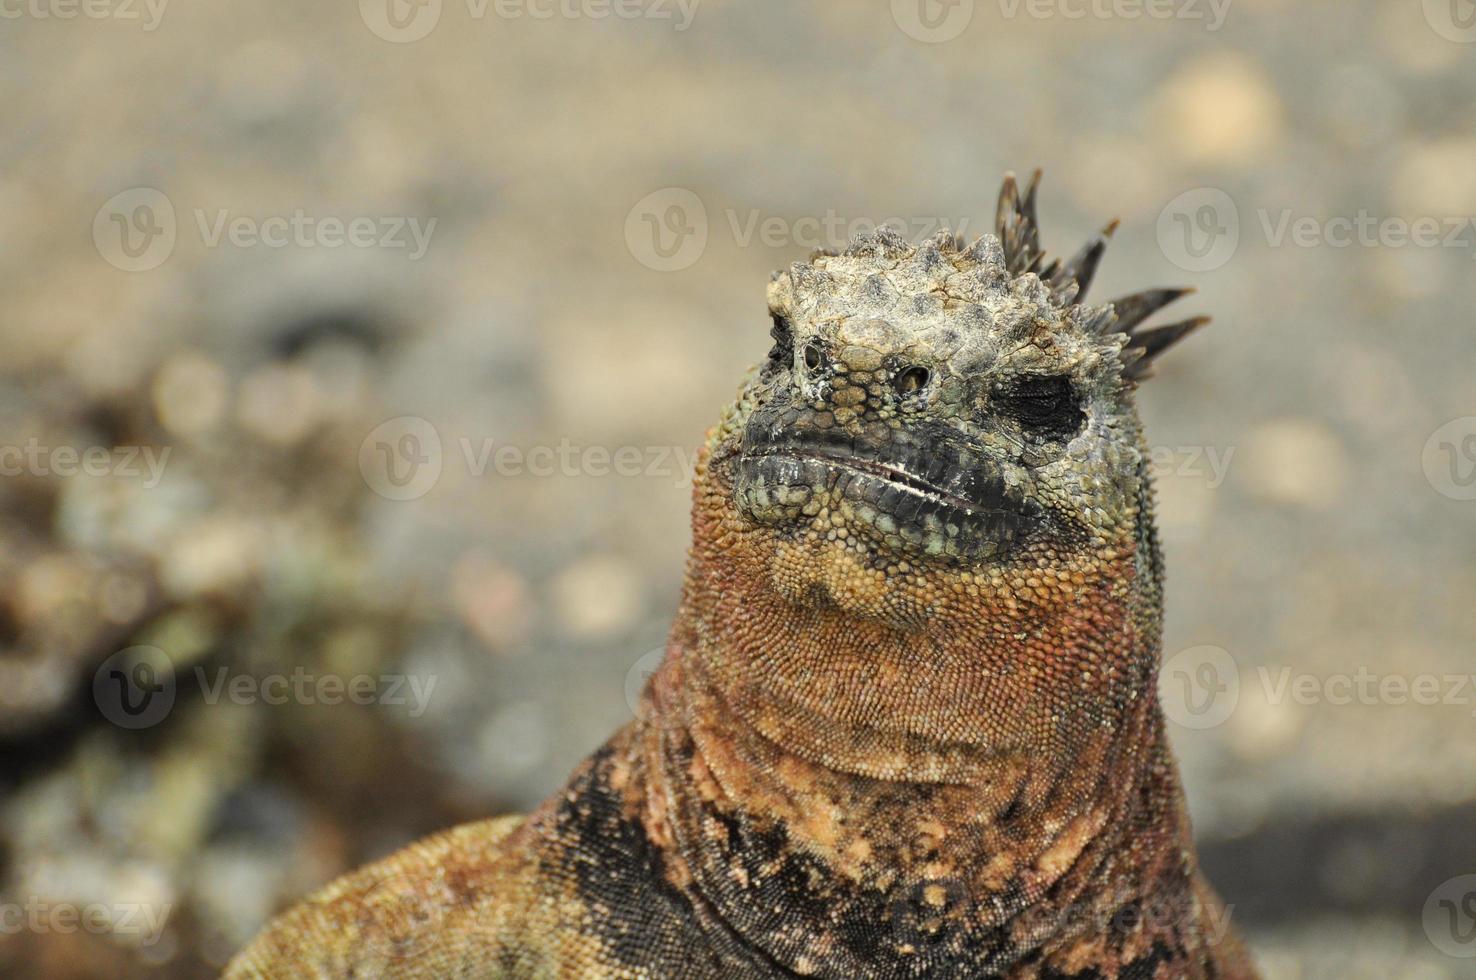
(906, 725)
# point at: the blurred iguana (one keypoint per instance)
(906, 725)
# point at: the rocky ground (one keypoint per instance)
(373, 343)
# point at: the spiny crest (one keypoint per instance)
(1018, 228)
(1010, 261)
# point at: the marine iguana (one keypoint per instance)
(906, 725)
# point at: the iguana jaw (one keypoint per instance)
(927, 496)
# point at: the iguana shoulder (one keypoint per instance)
(408, 915)
(575, 890)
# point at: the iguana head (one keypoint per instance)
(945, 406)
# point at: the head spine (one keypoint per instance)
(1018, 229)
(1004, 282)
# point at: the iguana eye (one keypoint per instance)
(1045, 404)
(911, 379)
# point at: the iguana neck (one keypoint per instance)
(912, 673)
(1005, 746)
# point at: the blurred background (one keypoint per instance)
(353, 356)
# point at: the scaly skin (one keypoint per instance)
(906, 726)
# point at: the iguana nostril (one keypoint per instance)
(911, 379)
(813, 357)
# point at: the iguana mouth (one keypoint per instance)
(785, 463)
(940, 500)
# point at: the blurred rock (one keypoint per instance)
(1294, 462)
(1219, 110)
